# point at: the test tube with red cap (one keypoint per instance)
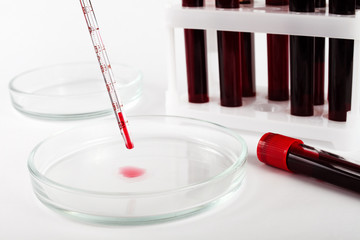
(293, 155)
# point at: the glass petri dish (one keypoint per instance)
(72, 91)
(179, 166)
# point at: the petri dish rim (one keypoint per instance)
(15, 78)
(240, 162)
(71, 87)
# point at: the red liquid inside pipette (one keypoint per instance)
(128, 143)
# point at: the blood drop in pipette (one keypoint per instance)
(106, 69)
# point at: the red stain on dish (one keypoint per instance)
(131, 172)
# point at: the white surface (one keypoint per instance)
(271, 205)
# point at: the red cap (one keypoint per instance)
(273, 148)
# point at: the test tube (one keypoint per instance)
(278, 62)
(320, 3)
(302, 61)
(229, 62)
(196, 60)
(319, 98)
(341, 54)
(293, 155)
(247, 61)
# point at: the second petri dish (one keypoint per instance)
(72, 91)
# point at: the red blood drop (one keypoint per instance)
(131, 172)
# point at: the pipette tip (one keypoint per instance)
(129, 144)
(124, 131)
(125, 134)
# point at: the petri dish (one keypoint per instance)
(72, 91)
(178, 167)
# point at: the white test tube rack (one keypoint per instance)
(258, 114)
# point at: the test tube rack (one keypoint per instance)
(258, 114)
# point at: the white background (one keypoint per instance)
(272, 204)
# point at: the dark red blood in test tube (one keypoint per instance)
(302, 60)
(302, 64)
(293, 155)
(247, 64)
(278, 62)
(341, 54)
(196, 65)
(340, 78)
(229, 62)
(192, 3)
(320, 3)
(319, 97)
(196, 60)
(277, 2)
(278, 67)
(229, 68)
(247, 60)
(342, 7)
(227, 3)
(325, 166)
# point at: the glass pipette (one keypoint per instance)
(106, 69)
